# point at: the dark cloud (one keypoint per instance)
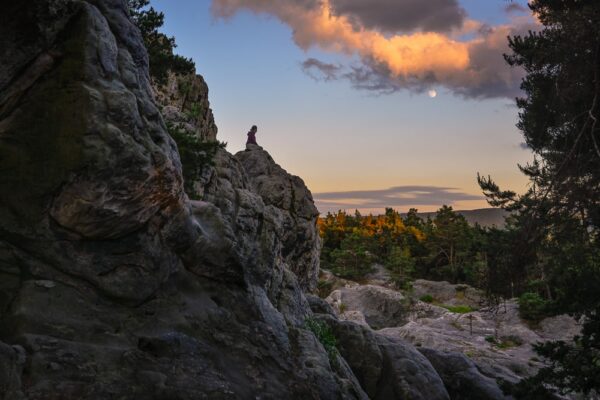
(321, 71)
(402, 15)
(399, 196)
(524, 146)
(227, 8)
(515, 8)
(487, 75)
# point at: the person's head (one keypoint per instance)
(253, 129)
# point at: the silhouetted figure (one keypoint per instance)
(252, 135)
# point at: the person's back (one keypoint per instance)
(252, 135)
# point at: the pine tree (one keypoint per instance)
(560, 213)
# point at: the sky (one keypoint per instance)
(395, 103)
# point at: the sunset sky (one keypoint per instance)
(397, 103)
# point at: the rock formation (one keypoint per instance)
(380, 307)
(184, 104)
(114, 284)
(469, 351)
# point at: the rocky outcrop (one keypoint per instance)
(301, 243)
(386, 368)
(381, 307)
(274, 228)
(113, 282)
(462, 378)
(447, 293)
(469, 350)
(185, 106)
(497, 340)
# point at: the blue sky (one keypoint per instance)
(339, 138)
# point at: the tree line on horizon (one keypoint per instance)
(440, 247)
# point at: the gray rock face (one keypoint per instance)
(447, 293)
(462, 378)
(381, 307)
(112, 281)
(499, 343)
(318, 305)
(386, 368)
(185, 105)
(467, 350)
(12, 361)
(301, 244)
(406, 375)
(270, 236)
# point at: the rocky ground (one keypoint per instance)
(494, 340)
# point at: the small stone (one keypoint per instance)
(45, 284)
(54, 366)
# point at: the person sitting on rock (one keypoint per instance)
(252, 136)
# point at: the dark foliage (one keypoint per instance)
(196, 155)
(559, 217)
(160, 46)
(442, 248)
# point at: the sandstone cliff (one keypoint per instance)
(184, 104)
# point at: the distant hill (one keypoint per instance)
(486, 217)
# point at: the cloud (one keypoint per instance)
(399, 196)
(321, 71)
(414, 61)
(402, 15)
(515, 8)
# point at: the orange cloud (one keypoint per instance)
(413, 60)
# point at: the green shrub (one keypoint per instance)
(506, 342)
(324, 288)
(160, 47)
(458, 309)
(194, 112)
(354, 258)
(457, 326)
(426, 298)
(324, 334)
(195, 155)
(532, 306)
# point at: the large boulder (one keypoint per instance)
(381, 307)
(406, 375)
(386, 368)
(462, 378)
